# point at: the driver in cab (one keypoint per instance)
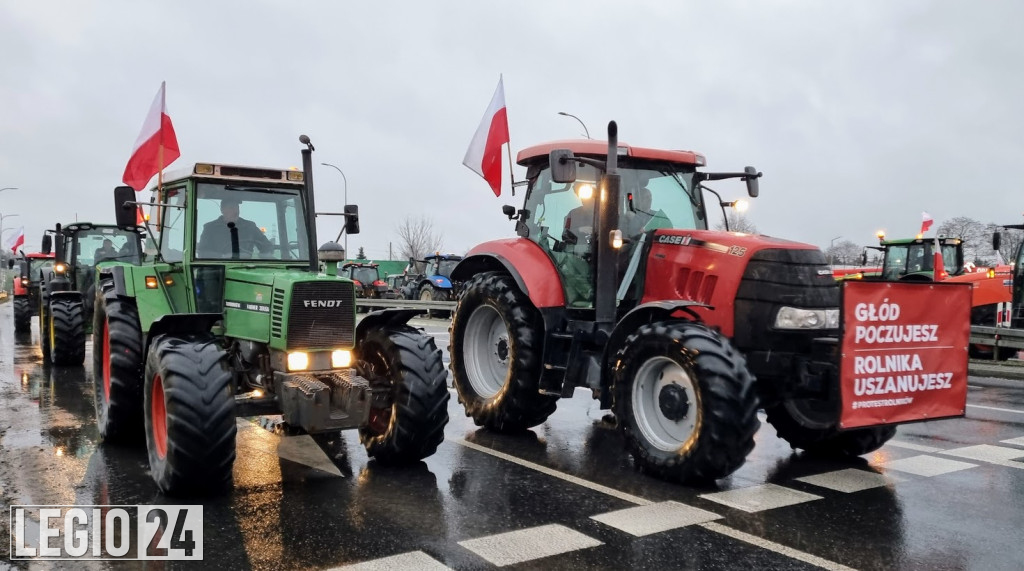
(215, 240)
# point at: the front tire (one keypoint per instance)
(117, 366)
(189, 414)
(686, 402)
(67, 332)
(497, 338)
(410, 424)
(22, 314)
(795, 422)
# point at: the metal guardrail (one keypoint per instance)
(406, 303)
(997, 337)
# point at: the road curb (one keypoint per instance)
(1011, 372)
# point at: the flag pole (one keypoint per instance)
(508, 145)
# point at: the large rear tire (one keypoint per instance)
(190, 415)
(44, 328)
(22, 314)
(497, 338)
(686, 402)
(117, 366)
(798, 423)
(67, 332)
(409, 425)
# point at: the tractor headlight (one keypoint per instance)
(796, 318)
(60, 268)
(341, 359)
(298, 361)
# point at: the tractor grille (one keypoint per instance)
(321, 314)
(778, 277)
(277, 313)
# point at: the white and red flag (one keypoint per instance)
(16, 240)
(484, 154)
(156, 146)
(926, 222)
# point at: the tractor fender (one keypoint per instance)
(530, 267)
(66, 294)
(180, 323)
(383, 319)
(116, 273)
(646, 313)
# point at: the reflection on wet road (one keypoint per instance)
(944, 494)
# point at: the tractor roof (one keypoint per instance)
(600, 149)
(443, 257)
(236, 173)
(81, 226)
(908, 241)
(40, 256)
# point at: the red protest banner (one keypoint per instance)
(904, 352)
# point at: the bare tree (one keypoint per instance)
(845, 253)
(970, 231)
(1010, 241)
(417, 237)
(738, 222)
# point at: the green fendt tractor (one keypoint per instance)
(68, 288)
(235, 316)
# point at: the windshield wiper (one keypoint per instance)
(675, 175)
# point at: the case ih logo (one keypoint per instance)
(676, 240)
(322, 302)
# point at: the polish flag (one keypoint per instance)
(16, 240)
(926, 222)
(156, 146)
(484, 154)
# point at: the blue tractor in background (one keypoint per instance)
(435, 284)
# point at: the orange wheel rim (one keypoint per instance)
(106, 362)
(158, 414)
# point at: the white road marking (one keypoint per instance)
(987, 453)
(1019, 441)
(717, 528)
(850, 480)
(529, 544)
(412, 560)
(775, 547)
(760, 498)
(996, 408)
(655, 518)
(912, 446)
(556, 474)
(927, 466)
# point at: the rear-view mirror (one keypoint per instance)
(997, 240)
(563, 166)
(47, 246)
(751, 179)
(351, 219)
(10, 263)
(124, 214)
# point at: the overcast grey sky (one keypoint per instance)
(860, 114)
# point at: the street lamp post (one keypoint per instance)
(345, 180)
(3, 267)
(831, 252)
(585, 130)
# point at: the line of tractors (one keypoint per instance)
(222, 304)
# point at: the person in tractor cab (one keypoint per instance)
(639, 215)
(105, 252)
(215, 241)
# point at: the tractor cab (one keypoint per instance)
(913, 259)
(366, 278)
(436, 283)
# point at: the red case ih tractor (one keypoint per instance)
(662, 319)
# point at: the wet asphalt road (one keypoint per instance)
(943, 495)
